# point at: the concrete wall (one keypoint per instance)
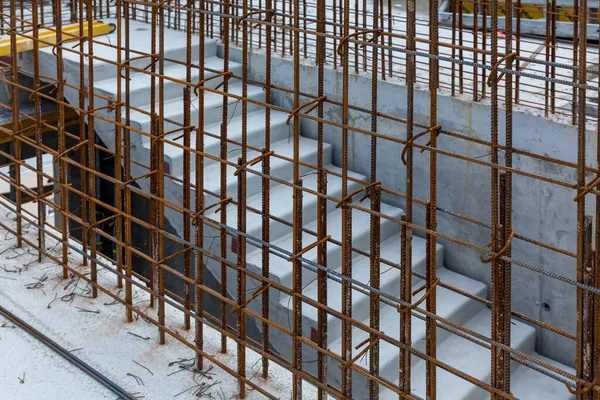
(542, 211)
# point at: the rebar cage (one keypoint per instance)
(398, 81)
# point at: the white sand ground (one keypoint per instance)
(96, 331)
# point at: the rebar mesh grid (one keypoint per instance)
(498, 68)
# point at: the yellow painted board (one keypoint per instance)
(48, 37)
(565, 14)
(527, 11)
(468, 7)
(532, 11)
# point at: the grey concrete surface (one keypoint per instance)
(542, 211)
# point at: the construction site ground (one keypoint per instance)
(126, 353)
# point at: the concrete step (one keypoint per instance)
(390, 282)
(450, 305)
(528, 384)
(280, 169)
(255, 136)
(140, 83)
(213, 109)
(105, 51)
(469, 358)
(281, 204)
(281, 269)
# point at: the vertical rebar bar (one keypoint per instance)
(223, 155)
(335, 33)
(322, 336)
(160, 172)
(584, 355)
(475, 48)
(297, 218)
(431, 217)
(382, 50)
(3, 21)
(404, 365)
(460, 48)
(502, 295)
(430, 325)
(199, 182)
(297, 290)
(304, 33)
(62, 140)
(41, 15)
(553, 45)
(484, 31)
(187, 162)
(454, 7)
(356, 51)
(410, 83)
(119, 150)
(375, 222)
(596, 261)
(548, 50)
(91, 136)
(346, 219)
(506, 198)
(365, 25)
(153, 162)
(390, 60)
(577, 55)
(518, 51)
(41, 207)
(497, 367)
(16, 120)
(127, 170)
(266, 197)
(241, 217)
(283, 31)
